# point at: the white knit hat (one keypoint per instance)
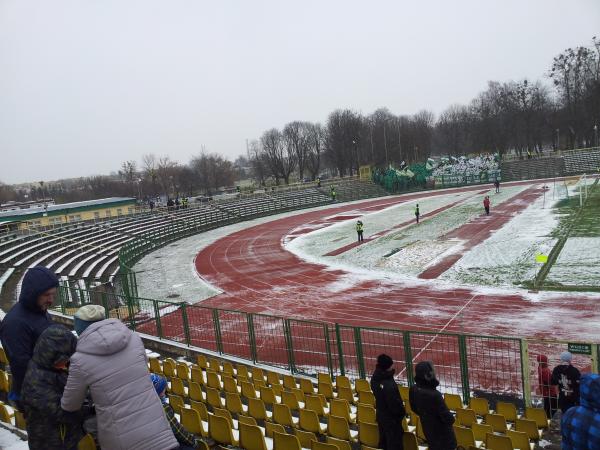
(91, 313)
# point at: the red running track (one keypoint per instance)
(257, 274)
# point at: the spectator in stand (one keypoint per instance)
(567, 378)
(187, 441)
(497, 185)
(580, 426)
(359, 230)
(429, 405)
(417, 213)
(111, 362)
(388, 404)
(486, 205)
(48, 425)
(546, 390)
(25, 322)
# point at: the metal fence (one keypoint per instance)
(491, 366)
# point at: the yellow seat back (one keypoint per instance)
(480, 405)
(271, 427)
(183, 371)
(190, 420)
(465, 417)
(86, 443)
(366, 397)
(309, 421)
(338, 428)
(305, 438)
(220, 430)
(197, 375)
(267, 395)
(282, 415)
(289, 382)
(464, 436)
(340, 408)
(155, 366)
(339, 443)
(246, 419)
(256, 409)
(529, 427)
(361, 384)
(195, 391)
(233, 402)
(212, 379)
(365, 413)
(314, 404)
(368, 434)
(200, 407)
(497, 421)
(410, 441)
(213, 397)
(290, 400)
(453, 402)
(283, 441)
(519, 439)
(497, 442)
(538, 415)
(508, 410)
(177, 387)
(316, 445)
(480, 431)
(176, 403)
(251, 438)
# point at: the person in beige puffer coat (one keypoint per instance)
(111, 361)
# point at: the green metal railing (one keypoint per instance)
(466, 364)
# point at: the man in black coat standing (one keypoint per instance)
(25, 322)
(429, 405)
(388, 403)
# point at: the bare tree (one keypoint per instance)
(280, 159)
(315, 141)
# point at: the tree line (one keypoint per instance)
(513, 116)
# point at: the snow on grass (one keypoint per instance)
(578, 263)
(10, 441)
(507, 257)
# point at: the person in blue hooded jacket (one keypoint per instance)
(25, 322)
(580, 425)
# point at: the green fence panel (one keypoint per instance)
(202, 329)
(377, 341)
(235, 337)
(270, 340)
(309, 342)
(171, 318)
(346, 344)
(145, 312)
(443, 350)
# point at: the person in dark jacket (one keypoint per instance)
(49, 427)
(567, 378)
(417, 213)
(580, 426)
(25, 322)
(429, 405)
(388, 404)
(187, 441)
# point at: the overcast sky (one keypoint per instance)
(85, 85)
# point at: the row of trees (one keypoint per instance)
(515, 116)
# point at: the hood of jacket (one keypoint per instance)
(425, 375)
(36, 281)
(55, 344)
(105, 337)
(589, 391)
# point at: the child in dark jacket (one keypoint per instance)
(49, 427)
(185, 439)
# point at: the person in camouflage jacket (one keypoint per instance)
(580, 425)
(49, 427)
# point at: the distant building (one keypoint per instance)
(43, 215)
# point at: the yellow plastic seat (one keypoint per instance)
(224, 413)
(368, 434)
(307, 386)
(197, 375)
(256, 409)
(233, 403)
(508, 410)
(242, 373)
(498, 442)
(403, 393)
(465, 437)
(409, 441)
(213, 380)
(323, 377)
(176, 403)
(419, 428)
(316, 445)
(338, 428)
(220, 430)
(301, 396)
(339, 443)
(20, 420)
(346, 393)
(246, 419)
(289, 382)
(529, 427)
(200, 408)
(366, 397)
(271, 427)
(342, 381)
(178, 388)
(214, 365)
(251, 437)
(453, 402)
(248, 390)
(213, 398)
(520, 440)
(229, 384)
(155, 367)
(283, 416)
(341, 408)
(314, 404)
(283, 441)
(309, 421)
(466, 417)
(258, 374)
(480, 431)
(273, 378)
(195, 392)
(325, 389)
(190, 420)
(361, 384)
(201, 361)
(86, 443)
(365, 413)
(3, 358)
(228, 369)
(268, 396)
(290, 399)
(305, 438)
(183, 371)
(480, 405)
(169, 368)
(498, 422)
(538, 415)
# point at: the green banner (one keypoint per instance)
(580, 349)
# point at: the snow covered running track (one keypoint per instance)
(257, 274)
